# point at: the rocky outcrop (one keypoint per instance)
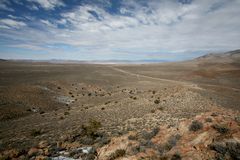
(181, 142)
(211, 135)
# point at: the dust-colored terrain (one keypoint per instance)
(57, 110)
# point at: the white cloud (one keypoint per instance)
(12, 17)
(27, 46)
(33, 7)
(140, 30)
(47, 23)
(47, 4)
(10, 23)
(4, 5)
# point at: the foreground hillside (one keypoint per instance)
(187, 110)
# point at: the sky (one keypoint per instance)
(166, 30)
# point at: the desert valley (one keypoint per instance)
(67, 111)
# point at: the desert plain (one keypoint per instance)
(177, 110)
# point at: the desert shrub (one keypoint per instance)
(103, 141)
(87, 141)
(42, 112)
(91, 128)
(214, 114)
(132, 137)
(66, 113)
(234, 149)
(157, 101)
(135, 150)
(220, 129)
(149, 135)
(195, 126)
(146, 135)
(89, 94)
(118, 153)
(155, 131)
(172, 141)
(4, 157)
(89, 157)
(61, 118)
(58, 87)
(176, 156)
(69, 92)
(102, 108)
(160, 149)
(153, 111)
(134, 98)
(107, 102)
(36, 132)
(146, 144)
(153, 92)
(208, 120)
(229, 148)
(218, 147)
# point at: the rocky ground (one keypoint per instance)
(83, 111)
(210, 135)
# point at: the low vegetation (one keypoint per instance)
(91, 128)
(36, 132)
(118, 153)
(157, 101)
(220, 128)
(195, 126)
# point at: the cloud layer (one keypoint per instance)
(131, 29)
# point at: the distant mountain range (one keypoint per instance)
(227, 57)
(89, 62)
(231, 56)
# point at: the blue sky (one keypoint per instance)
(168, 30)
